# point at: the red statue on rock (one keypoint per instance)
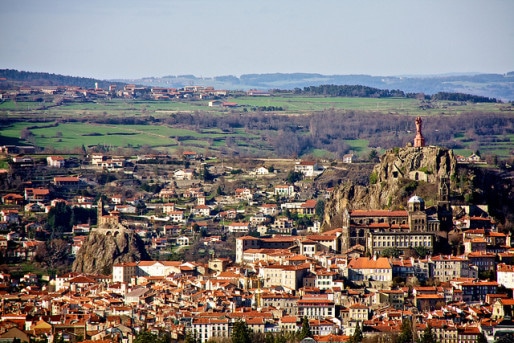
(419, 141)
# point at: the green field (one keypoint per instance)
(67, 136)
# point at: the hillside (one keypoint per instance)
(500, 86)
(10, 79)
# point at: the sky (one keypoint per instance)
(131, 39)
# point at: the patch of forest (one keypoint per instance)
(15, 78)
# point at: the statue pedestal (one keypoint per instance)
(419, 141)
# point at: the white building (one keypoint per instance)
(505, 275)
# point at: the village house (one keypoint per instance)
(505, 275)
(13, 199)
(364, 269)
(307, 168)
(284, 191)
(37, 195)
(56, 161)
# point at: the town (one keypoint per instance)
(236, 242)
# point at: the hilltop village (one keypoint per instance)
(187, 249)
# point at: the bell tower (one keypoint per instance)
(100, 211)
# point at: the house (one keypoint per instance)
(183, 241)
(285, 191)
(190, 155)
(10, 216)
(168, 208)
(35, 207)
(262, 171)
(210, 328)
(269, 209)
(307, 168)
(446, 268)
(13, 199)
(474, 158)
(237, 227)
(370, 269)
(176, 216)
(125, 209)
(201, 210)
(56, 161)
(348, 158)
(69, 182)
(215, 103)
(308, 208)
(37, 194)
(505, 275)
(243, 194)
(184, 174)
(316, 307)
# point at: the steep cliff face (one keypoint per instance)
(399, 172)
(99, 252)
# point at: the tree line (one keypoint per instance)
(371, 92)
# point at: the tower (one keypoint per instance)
(345, 234)
(100, 212)
(444, 209)
(417, 215)
(419, 140)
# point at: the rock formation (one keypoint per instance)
(100, 251)
(107, 244)
(397, 167)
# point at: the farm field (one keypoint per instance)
(65, 136)
(289, 104)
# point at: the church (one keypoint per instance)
(417, 226)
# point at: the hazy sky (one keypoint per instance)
(109, 39)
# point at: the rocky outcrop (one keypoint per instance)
(100, 251)
(400, 171)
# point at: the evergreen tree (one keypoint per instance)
(481, 338)
(406, 333)
(357, 335)
(191, 337)
(241, 333)
(320, 209)
(58, 338)
(428, 336)
(306, 329)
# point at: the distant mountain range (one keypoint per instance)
(499, 86)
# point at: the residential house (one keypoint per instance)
(37, 194)
(56, 161)
(184, 174)
(201, 210)
(238, 227)
(210, 328)
(284, 191)
(348, 158)
(10, 216)
(262, 171)
(69, 182)
(505, 275)
(307, 168)
(176, 216)
(269, 209)
(446, 268)
(243, 194)
(13, 199)
(364, 269)
(316, 306)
